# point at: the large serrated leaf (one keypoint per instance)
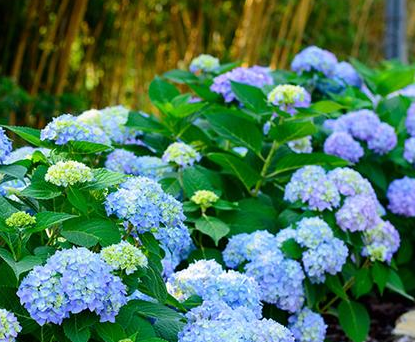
(354, 320)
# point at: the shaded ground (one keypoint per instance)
(383, 313)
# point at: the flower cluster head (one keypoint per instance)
(67, 128)
(205, 63)
(350, 182)
(312, 186)
(381, 242)
(313, 231)
(68, 173)
(9, 326)
(345, 74)
(409, 150)
(215, 321)
(342, 144)
(401, 196)
(313, 58)
(288, 97)
(181, 154)
(142, 203)
(307, 326)
(20, 219)
(255, 76)
(72, 281)
(124, 256)
(410, 120)
(364, 125)
(25, 152)
(204, 198)
(207, 279)
(5, 146)
(302, 145)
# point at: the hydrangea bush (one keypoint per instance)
(251, 206)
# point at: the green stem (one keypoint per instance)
(265, 168)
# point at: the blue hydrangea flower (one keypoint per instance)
(328, 257)
(67, 128)
(5, 146)
(381, 242)
(268, 330)
(289, 97)
(346, 74)
(205, 63)
(285, 235)
(153, 167)
(313, 231)
(311, 186)
(255, 76)
(123, 161)
(181, 154)
(384, 139)
(302, 145)
(280, 280)
(343, 145)
(401, 196)
(358, 213)
(307, 326)
(9, 326)
(72, 281)
(410, 120)
(313, 58)
(409, 150)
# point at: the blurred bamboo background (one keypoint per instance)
(92, 53)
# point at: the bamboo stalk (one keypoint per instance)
(361, 27)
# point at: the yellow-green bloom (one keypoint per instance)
(204, 198)
(68, 173)
(20, 220)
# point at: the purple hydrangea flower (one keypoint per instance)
(251, 76)
(384, 139)
(358, 213)
(9, 326)
(123, 161)
(346, 74)
(409, 151)
(5, 146)
(410, 120)
(343, 145)
(401, 196)
(313, 58)
(381, 242)
(72, 281)
(307, 326)
(362, 124)
(350, 182)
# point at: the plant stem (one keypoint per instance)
(265, 168)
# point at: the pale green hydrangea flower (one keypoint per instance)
(204, 63)
(20, 219)
(124, 256)
(68, 173)
(204, 198)
(181, 154)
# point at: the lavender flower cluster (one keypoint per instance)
(307, 326)
(216, 321)
(207, 279)
(142, 204)
(255, 76)
(5, 146)
(409, 149)
(9, 326)
(401, 196)
(363, 125)
(70, 282)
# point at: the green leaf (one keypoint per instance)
(295, 161)
(380, 275)
(231, 126)
(15, 171)
(252, 97)
(153, 339)
(180, 76)
(292, 249)
(46, 219)
(334, 284)
(155, 284)
(6, 208)
(110, 332)
(22, 266)
(195, 179)
(87, 147)
(73, 330)
(204, 92)
(236, 166)
(326, 106)
(88, 232)
(354, 320)
(161, 91)
(363, 283)
(153, 310)
(185, 109)
(31, 135)
(171, 186)
(395, 284)
(394, 79)
(78, 199)
(143, 123)
(213, 227)
(292, 130)
(226, 205)
(206, 254)
(104, 179)
(41, 190)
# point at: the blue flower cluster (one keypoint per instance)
(72, 281)
(410, 120)
(5, 146)
(401, 196)
(142, 203)
(67, 128)
(345, 73)
(9, 326)
(127, 162)
(307, 326)
(217, 322)
(313, 187)
(205, 63)
(205, 278)
(363, 125)
(254, 76)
